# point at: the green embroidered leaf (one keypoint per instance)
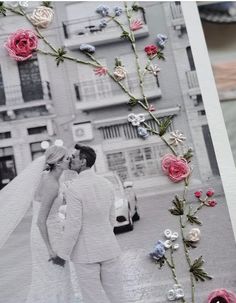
(178, 209)
(160, 55)
(188, 155)
(190, 243)
(164, 125)
(118, 62)
(193, 219)
(125, 35)
(135, 7)
(47, 4)
(132, 102)
(60, 53)
(3, 10)
(197, 270)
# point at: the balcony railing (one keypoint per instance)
(192, 79)
(88, 30)
(193, 85)
(177, 17)
(102, 92)
(17, 96)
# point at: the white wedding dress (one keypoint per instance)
(50, 283)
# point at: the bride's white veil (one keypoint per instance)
(16, 197)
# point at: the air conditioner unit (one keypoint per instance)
(82, 131)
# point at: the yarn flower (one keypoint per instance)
(42, 16)
(103, 10)
(161, 40)
(154, 69)
(194, 235)
(103, 23)
(118, 10)
(221, 295)
(175, 293)
(142, 131)
(176, 137)
(175, 167)
(136, 25)
(210, 192)
(100, 71)
(198, 194)
(87, 48)
(212, 203)
(120, 73)
(158, 251)
(21, 44)
(135, 120)
(151, 49)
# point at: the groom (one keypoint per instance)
(88, 238)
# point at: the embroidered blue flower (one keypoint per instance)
(118, 10)
(87, 48)
(161, 40)
(158, 251)
(103, 23)
(103, 10)
(142, 131)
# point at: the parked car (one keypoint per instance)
(126, 203)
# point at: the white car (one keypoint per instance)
(125, 203)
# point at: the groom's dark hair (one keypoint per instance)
(87, 153)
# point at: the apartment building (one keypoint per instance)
(39, 101)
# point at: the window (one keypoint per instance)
(190, 58)
(7, 166)
(36, 150)
(37, 130)
(210, 150)
(2, 92)
(31, 84)
(136, 163)
(5, 135)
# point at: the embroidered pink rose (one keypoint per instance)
(212, 203)
(210, 192)
(221, 295)
(198, 194)
(101, 71)
(21, 44)
(136, 25)
(175, 167)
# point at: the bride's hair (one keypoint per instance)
(54, 154)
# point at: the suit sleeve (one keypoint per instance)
(73, 223)
(113, 209)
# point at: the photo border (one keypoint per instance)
(212, 106)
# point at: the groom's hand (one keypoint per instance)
(58, 261)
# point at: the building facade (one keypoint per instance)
(40, 101)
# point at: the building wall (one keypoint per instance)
(67, 113)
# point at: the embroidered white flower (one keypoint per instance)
(176, 137)
(42, 16)
(135, 120)
(174, 236)
(168, 233)
(23, 4)
(167, 244)
(175, 246)
(175, 293)
(194, 235)
(154, 69)
(120, 73)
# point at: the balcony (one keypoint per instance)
(88, 31)
(177, 17)
(193, 84)
(103, 92)
(16, 102)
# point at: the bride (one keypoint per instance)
(50, 283)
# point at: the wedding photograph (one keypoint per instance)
(110, 186)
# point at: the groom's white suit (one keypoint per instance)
(88, 238)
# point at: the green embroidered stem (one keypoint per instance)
(13, 10)
(188, 259)
(132, 40)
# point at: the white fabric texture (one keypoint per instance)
(50, 283)
(88, 235)
(17, 196)
(101, 282)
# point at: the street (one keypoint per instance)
(144, 282)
